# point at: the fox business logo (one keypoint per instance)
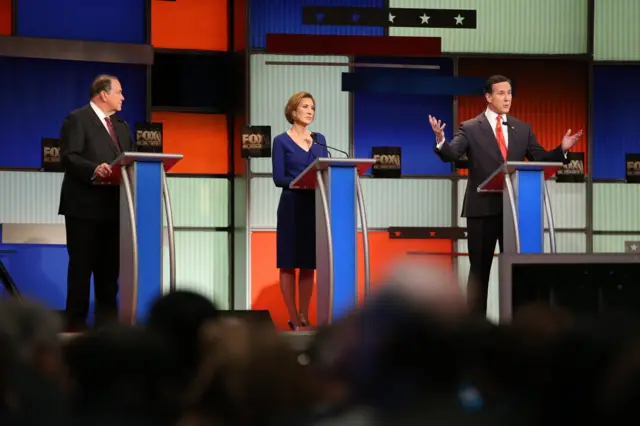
(633, 168)
(256, 141)
(632, 163)
(252, 141)
(575, 167)
(573, 171)
(51, 154)
(149, 137)
(387, 161)
(51, 161)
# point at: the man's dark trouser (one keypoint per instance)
(482, 234)
(94, 248)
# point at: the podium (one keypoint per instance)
(143, 186)
(525, 200)
(338, 200)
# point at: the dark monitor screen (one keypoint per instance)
(582, 288)
(191, 81)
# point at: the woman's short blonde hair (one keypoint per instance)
(294, 102)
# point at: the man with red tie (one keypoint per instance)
(91, 138)
(490, 139)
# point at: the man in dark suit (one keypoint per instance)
(490, 139)
(91, 138)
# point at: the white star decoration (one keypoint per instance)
(634, 247)
(391, 18)
(424, 19)
(459, 19)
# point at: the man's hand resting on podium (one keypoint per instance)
(569, 140)
(103, 170)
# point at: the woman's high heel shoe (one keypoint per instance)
(303, 320)
(302, 323)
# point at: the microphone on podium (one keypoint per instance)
(314, 137)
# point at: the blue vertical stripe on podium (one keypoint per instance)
(342, 210)
(529, 200)
(148, 202)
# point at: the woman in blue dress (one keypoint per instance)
(292, 152)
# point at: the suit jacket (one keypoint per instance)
(475, 137)
(85, 143)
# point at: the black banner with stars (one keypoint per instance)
(632, 247)
(420, 233)
(377, 17)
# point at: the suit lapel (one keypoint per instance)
(120, 132)
(105, 132)
(513, 140)
(490, 138)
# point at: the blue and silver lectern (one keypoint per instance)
(143, 186)
(338, 199)
(525, 203)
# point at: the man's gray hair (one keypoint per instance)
(101, 83)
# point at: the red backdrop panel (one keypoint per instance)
(239, 24)
(265, 290)
(5, 17)
(550, 95)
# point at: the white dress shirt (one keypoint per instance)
(491, 118)
(101, 115)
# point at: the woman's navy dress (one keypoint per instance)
(296, 228)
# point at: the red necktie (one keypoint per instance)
(500, 136)
(112, 132)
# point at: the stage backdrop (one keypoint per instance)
(397, 117)
(285, 16)
(615, 89)
(550, 101)
(122, 21)
(40, 93)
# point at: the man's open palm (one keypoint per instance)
(438, 127)
(569, 140)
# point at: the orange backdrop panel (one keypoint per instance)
(550, 95)
(201, 138)
(189, 24)
(265, 290)
(5, 17)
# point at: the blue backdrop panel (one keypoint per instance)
(530, 219)
(342, 205)
(390, 119)
(118, 21)
(148, 202)
(615, 119)
(40, 93)
(285, 16)
(40, 273)
(410, 82)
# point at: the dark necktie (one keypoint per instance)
(112, 132)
